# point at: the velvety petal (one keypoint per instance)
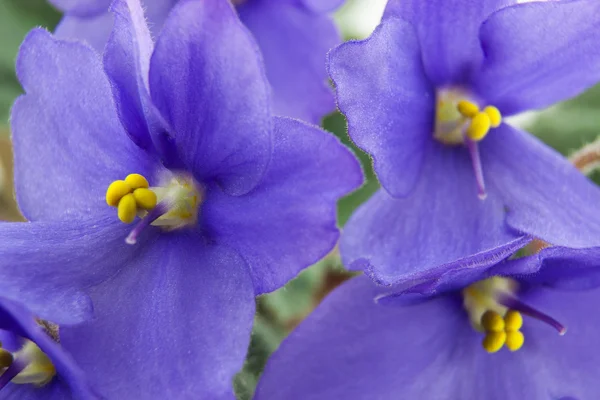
(361, 350)
(539, 53)
(45, 265)
(68, 143)
(388, 101)
(545, 195)
(294, 42)
(448, 33)
(288, 222)
(442, 225)
(82, 7)
(127, 65)
(20, 321)
(174, 324)
(213, 94)
(94, 30)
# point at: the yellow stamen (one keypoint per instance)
(493, 341)
(467, 108)
(513, 321)
(137, 181)
(116, 191)
(514, 340)
(127, 209)
(145, 198)
(494, 114)
(492, 322)
(479, 126)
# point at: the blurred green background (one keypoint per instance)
(565, 127)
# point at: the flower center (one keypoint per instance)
(173, 204)
(495, 311)
(460, 121)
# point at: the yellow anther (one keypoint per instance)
(467, 109)
(492, 322)
(127, 209)
(513, 320)
(116, 191)
(493, 341)
(514, 340)
(495, 116)
(137, 181)
(145, 198)
(479, 126)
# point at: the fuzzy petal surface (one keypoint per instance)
(174, 324)
(294, 41)
(362, 350)
(448, 33)
(288, 222)
(213, 94)
(442, 225)
(389, 102)
(68, 142)
(546, 196)
(539, 53)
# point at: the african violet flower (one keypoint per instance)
(426, 94)
(32, 363)
(226, 201)
(490, 333)
(293, 35)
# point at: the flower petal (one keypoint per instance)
(81, 7)
(447, 31)
(288, 222)
(388, 101)
(539, 53)
(94, 30)
(69, 145)
(175, 323)
(442, 225)
(46, 265)
(322, 6)
(546, 196)
(294, 42)
(213, 93)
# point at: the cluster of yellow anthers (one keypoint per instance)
(481, 121)
(502, 331)
(129, 195)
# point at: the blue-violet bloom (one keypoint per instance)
(215, 200)
(426, 95)
(293, 35)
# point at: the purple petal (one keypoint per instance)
(321, 6)
(539, 53)
(388, 101)
(127, 65)
(442, 225)
(175, 323)
(94, 30)
(288, 222)
(546, 196)
(46, 265)
(18, 320)
(359, 349)
(447, 31)
(69, 145)
(294, 42)
(83, 8)
(213, 94)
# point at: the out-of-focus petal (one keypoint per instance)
(82, 7)
(94, 30)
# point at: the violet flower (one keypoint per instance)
(491, 333)
(293, 35)
(227, 201)
(32, 363)
(426, 94)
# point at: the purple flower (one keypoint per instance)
(425, 95)
(227, 201)
(499, 338)
(32, 363)
(294, 37)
